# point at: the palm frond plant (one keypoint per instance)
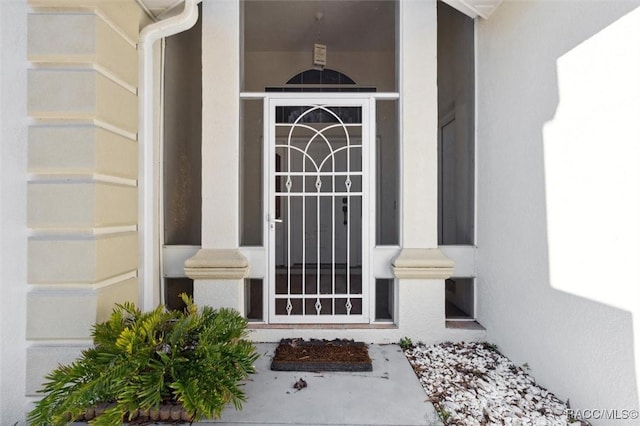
(140, 360)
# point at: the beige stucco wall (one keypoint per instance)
(82, 208)
(69, 170)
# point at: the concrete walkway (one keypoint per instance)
(389, 395)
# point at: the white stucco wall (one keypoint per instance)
(558, 194)
(13, 216)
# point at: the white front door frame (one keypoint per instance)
(367, 105)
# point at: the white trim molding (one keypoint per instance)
(475, 8)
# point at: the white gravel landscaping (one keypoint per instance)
(473, 384)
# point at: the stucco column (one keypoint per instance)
(419, 112)
(420, 267)
(218, 269)
(220, 123)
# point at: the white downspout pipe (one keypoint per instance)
(149, 249)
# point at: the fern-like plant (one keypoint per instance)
(196, 358)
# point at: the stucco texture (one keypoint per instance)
(557, 192)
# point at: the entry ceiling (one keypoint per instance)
(345, 25)
(302, 13)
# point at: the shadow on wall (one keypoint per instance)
(559, 194)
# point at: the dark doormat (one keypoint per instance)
(321, 355)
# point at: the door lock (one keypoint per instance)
(345, 210)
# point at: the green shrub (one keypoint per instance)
(405, 343)
(142, 359)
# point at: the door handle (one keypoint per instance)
(273, 219)
(272, 222)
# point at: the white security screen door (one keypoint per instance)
(317, 201)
